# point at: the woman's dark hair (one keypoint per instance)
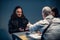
(14, 15)
(54, 9)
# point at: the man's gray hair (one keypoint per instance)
(46, 10)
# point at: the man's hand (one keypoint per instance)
(39, 32)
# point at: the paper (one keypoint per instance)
(36, 36)
(23, 37)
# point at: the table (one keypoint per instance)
(23, 36)
(20, 35)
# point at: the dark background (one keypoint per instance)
(32, 11)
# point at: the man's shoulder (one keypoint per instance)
(42, 22)
(56, 20)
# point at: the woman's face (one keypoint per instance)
(19, 12)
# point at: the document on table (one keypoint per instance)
(35, 36)
(23, 37)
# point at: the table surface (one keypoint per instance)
(23, 35)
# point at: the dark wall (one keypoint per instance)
(32, 11)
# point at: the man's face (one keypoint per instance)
(43, 15)
(46, 11)
(53, 13)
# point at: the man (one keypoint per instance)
(42, 24)
(52, 32)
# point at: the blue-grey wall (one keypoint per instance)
(32, 11)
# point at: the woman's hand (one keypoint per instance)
(27, 28)
(21, 29)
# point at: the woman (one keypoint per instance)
(18, 22)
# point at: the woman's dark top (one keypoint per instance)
(15, 24)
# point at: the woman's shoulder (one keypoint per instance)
(25, 19)
(12, 20)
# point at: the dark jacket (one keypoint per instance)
(15, 24)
